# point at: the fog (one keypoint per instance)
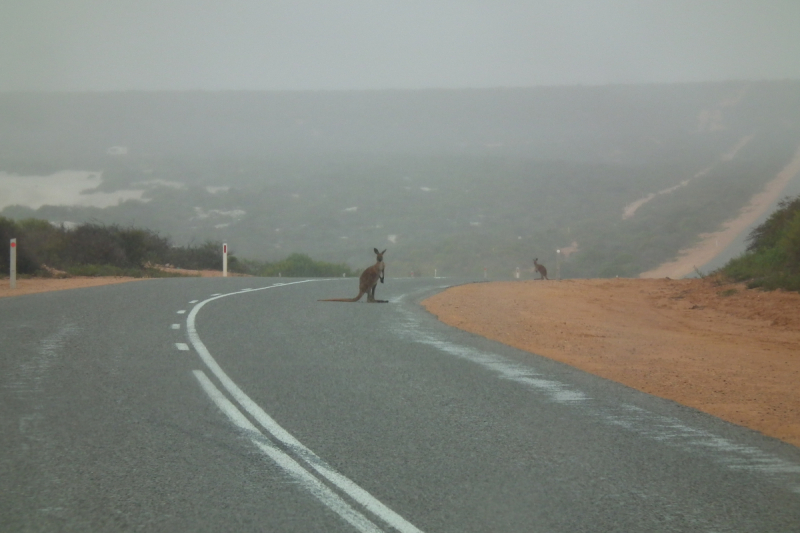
(61, 188)
(460, 134)
(464, 179)
(85, 45)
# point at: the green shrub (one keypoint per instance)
(99, 250)
(207, 256)
(772, 259)
(103, 270)
(789, 241)
(301, 265)
(768, 234)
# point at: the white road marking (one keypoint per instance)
(313, 460)
(176, 326)
(182, 311)
(194, 301)
(664, 429)
(292, 467)
(182, 346)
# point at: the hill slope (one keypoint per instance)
(456, 181)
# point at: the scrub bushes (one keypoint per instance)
(772, 259)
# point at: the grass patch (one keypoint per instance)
(772, 260)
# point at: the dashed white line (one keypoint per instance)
(176, 326)
(182, 346)
(182, 311)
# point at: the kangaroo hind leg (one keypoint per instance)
(378, 301)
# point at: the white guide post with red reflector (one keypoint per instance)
(224, 260)
(12, 272)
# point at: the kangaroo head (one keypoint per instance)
(379, 264)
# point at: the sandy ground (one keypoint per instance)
(723, 349)
(34, 285)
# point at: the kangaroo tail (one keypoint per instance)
(357, 298)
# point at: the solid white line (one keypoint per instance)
(301, 475)
(182, 346)
(352, 489)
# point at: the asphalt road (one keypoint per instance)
(244, 404)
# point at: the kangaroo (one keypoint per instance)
(368, 282)
(540, 269)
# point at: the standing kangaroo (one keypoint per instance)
(540, 269)
(367, 282)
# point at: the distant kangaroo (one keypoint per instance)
(540, 269)
(368, 282)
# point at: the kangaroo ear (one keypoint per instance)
(376, 251)
(383, 252)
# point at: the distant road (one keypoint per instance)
(244, 404)
(718, 243)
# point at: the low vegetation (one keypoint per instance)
(452, 182)
(772, 260)
(296, 265)
(49, 250)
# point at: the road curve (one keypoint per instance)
(244, 404)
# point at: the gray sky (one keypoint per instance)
(81, 45)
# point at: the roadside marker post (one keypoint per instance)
(558, 263)
(224, 260)
(12, 272)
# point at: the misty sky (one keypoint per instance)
(76, 45)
